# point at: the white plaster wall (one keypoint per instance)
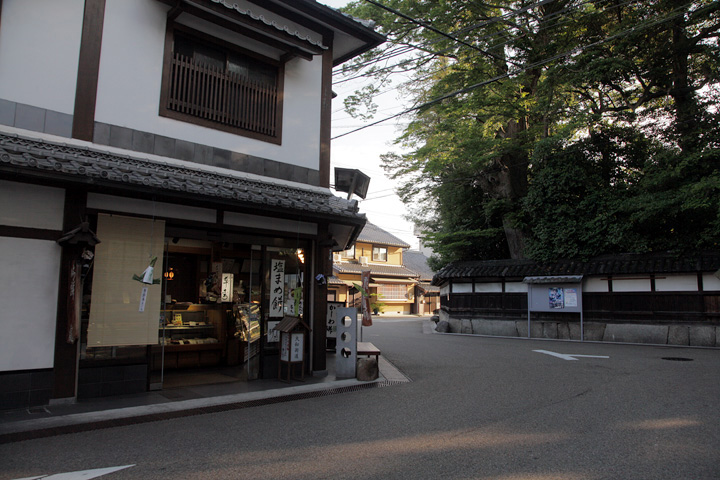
(28, 295)
(595, 284)
(516, 287)
(676, 283)
(39, 48)
(130, 79)
(494, 287)
(268, 223)
(462, 287)
(153, 209)
(31, 206)
(631, 284)
(711, 283)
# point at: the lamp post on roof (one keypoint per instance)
(351, 180)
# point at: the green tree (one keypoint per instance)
(525, 105)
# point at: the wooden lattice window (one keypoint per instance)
(219, 85)
(392, 292)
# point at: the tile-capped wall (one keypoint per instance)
(37, 119)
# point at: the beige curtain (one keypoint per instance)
(126, 248)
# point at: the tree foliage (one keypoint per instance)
(554, 128)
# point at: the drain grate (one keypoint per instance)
(678, 359)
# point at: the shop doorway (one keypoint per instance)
(213, 321)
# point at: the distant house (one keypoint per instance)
(427, 296)
(653, 298)
(382, 254)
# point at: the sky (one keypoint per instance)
(362, 150)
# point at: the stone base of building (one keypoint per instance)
(691, 335)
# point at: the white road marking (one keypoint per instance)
(568, 356)
(79, 475)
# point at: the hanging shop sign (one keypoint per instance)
(227, 287)
(277, 288)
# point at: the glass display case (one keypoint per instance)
(190, 336)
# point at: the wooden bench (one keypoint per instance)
(369, 350)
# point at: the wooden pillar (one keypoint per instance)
(322, 262)
(326, 112)
(66, 354)
(88, 70)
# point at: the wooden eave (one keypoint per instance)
(257, 30)
(324, 21)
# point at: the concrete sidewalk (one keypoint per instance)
(177, 402)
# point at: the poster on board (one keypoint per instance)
(571, 297)
(556, 297)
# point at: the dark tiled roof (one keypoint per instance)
(417, 262)
(380, 270)
(624, 264)
(374, 234)
(87, 165)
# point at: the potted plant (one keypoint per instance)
(375, 303)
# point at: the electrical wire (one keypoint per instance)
(487, 37)
(439, 32)
(516, 72)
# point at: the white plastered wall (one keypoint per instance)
(31, 206)
(130, 80)
(711, 283)
(29, 276)
(458, 287)
(676, 283)
(39, 55)
(516, 287)
(28, 295)
(595, 284)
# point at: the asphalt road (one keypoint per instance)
(476, 408)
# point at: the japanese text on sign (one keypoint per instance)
(277, 287)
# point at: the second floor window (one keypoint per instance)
(219, 86)
(379, 254)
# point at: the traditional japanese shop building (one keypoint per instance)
(164, 189)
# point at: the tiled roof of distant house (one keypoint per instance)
(381, 270)
(374, 234)
(417, 262)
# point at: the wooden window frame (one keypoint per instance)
(375, 259)
(202, 37)
(383, 289)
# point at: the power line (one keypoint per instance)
(439, 32)
(486, 37)
(510, 74)
(390, 68)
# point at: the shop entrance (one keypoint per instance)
(210, 321)
(220, 307)
(214, 320)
